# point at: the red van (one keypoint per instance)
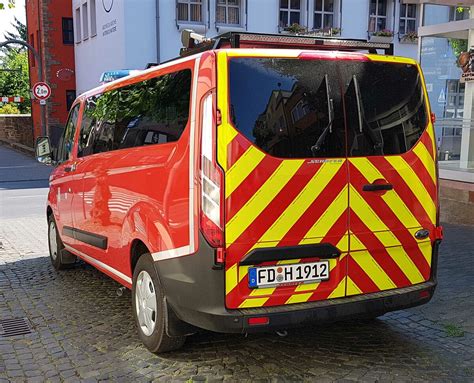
(257, 183)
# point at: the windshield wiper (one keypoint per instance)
(328, 129)
(378, 145)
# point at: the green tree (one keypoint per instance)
(15, 80)
(19, 34)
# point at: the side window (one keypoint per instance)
(98, 124)
(67, 140)
(154, 111)
(151, 112)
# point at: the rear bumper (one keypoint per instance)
(195, 294)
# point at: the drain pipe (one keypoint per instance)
(158, 31)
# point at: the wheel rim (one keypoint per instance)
(53, 242)
(145, 303)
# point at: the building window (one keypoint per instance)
(70, 97)
(300, 110)
(407, 18)
(85, 22)
(323, 14)
(68, 30)
(454, 99)
(228, 12)
(78, 25)
(459, 13)
(290, 12)
(93, 19)
(190, 11)
(378, 15)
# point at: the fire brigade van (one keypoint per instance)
(256, 183)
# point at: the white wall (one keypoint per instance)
(133, 44)
(126, 39)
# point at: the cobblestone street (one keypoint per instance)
(83, 331)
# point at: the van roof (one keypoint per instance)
(247, 52)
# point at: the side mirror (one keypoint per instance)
(43, 151)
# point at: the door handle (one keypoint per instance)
(70, 168)
(377, 187)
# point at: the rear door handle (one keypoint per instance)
(377, 187)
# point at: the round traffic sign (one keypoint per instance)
(41, 90)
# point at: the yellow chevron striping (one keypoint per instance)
(430, 131)
(352, 288)
(242, 168)
(225, 132)
(302, 202)
(387, 238)
(411, 179)
(260, 200)
(364, 211)
(426, 250)
(340, 290)
(373, 270)
(298, 298)
(356, 244)
(231, 278)
(392, 198)
(425, 157)
(405, 264)
(328, 218)
(254, 302)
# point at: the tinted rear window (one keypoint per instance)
(294, 108)
(287, 107)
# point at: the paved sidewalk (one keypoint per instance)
(82, 331)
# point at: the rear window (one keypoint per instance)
(293, 108)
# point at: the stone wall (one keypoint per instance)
(17, 128)
(456, 202)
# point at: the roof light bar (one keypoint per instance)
(254, 40)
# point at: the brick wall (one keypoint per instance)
(17, 128)
(456, 202)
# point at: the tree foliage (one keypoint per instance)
(16, 82)
(7, 4)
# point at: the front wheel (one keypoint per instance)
(149, 309)
(56, 248)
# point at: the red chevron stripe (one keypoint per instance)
(378, 252)
(398, 229)
(318, 207)
(274, 209)
(422, 173)
(426, 140)
(250, 185)
(360, 277)
(403, 190)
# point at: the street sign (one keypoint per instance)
(41, 91)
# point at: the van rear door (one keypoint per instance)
(392, 192)
(281, 144)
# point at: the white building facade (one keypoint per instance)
(129, 34)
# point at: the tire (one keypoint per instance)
(56, 248)
(149, 309)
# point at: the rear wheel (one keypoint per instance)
(56, 248)
(149, 309)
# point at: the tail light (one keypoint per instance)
(211, 214)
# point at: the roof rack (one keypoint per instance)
(194, 43)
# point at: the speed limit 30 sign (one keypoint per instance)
(41, 91)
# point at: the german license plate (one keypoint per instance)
(288, 274)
